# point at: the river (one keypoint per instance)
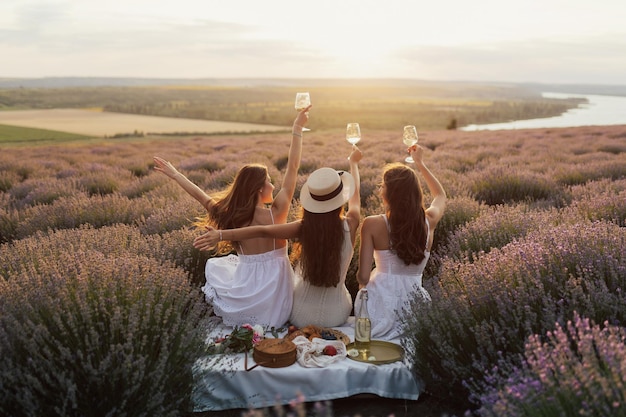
(598, 111)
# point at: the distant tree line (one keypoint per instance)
(432, 107)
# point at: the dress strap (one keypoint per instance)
(388, 229)
(427, 231)
(272, 216)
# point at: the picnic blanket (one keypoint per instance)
(223, 383)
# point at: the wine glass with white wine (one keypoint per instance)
(353, 133)
(409, 137)
(303, 100)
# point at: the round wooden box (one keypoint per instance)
(274, 353)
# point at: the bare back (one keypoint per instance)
(262, 217)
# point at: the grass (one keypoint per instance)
(13, 135)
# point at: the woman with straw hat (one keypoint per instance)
(323, 246)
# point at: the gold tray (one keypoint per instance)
(384, 352)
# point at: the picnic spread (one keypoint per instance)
(292, 366)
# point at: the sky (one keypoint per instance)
(544, 41)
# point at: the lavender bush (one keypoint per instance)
(577, 371)
(175, 248)
(86, 334)
(459, 212)
(41, 191)
(494, 228)
(486, 309)
(601, 200)
(74, 211)
(502, 185)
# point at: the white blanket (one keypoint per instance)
(226, 384)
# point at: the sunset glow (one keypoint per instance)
(549, 41)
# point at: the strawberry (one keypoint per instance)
(329, 350)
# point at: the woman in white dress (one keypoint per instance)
(399, 243)
(323, 248)
(256, 285)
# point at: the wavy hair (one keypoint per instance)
(406, 213)
(234, 207)
(318, 248)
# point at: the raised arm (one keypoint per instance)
(438, 204)
(366, 252)
(354, 204)
(165, 167)
(282, 201)
(213, 236)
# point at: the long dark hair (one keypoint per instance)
(318, 248)
(234, 207)
(406, 213)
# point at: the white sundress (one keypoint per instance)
(251, 289)
(391, 286)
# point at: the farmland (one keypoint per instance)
(96, 123)
(193, 109)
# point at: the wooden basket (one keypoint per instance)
(274, 353)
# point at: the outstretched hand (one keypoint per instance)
(161, 165)
(208, 240)
(303, 117)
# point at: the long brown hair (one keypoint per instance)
(406, 213)
(234, 207)
(318, 248)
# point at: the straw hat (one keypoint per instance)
(326, 190)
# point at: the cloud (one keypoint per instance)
(139, 38)
(589, 60)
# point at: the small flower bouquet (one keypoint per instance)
(241, 339)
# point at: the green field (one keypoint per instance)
(21, 135)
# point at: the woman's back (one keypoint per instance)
(262, 217)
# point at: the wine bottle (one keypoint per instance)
(363, 326)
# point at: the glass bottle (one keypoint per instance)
(363, 326)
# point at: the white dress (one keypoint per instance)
(324, 306)
(391, 287)
(253, 289)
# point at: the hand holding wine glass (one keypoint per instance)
(353, 133)
(303, 100)
(409, 137)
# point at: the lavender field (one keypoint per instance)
(99, 288)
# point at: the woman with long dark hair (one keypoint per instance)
(398, 242)
(256, 285)
(323, 244)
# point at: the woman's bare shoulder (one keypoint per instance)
(263, 217)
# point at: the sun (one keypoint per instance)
(355, 53)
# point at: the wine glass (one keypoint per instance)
(409, 137)
(303, 100)
(353, 133)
